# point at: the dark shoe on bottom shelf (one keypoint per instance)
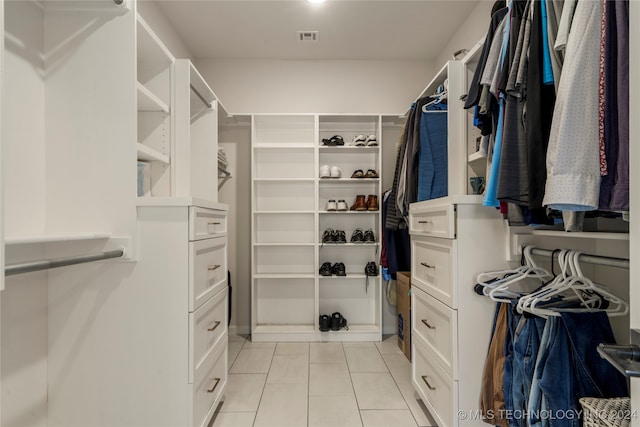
(338, 269)
(338, 322)
(325, 323)
(325, 269)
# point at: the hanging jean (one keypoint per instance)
(571, 367)
(513, 318)
(492, 391)
(433, 163)
(525, 352)
(535, 404)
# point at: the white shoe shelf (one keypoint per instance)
(289, 217)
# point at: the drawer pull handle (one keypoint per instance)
(424, 378)
(425, 222)
(427, 265)
(427, 324)
(213, 267)
(213, 223)
(215, 384)
(215, 325)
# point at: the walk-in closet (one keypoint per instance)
(309, 213)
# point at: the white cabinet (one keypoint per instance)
(450, 241)
(289, 217)
(190, 275)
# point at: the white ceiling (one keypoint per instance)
(349, 29)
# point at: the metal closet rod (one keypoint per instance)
(591, 259)
(29, 267)
(207, 103)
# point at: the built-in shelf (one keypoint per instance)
(54, 238)
(343, 148)
(149, 102)
(350, 212)
(283, 145)
(333, 245)
(282, 212)
(356, 328)
(150, 47)
(282, 244)
(150, 155)
(583, 234)
(349, 276)
(284, 180)
(478, 155)
(284, 329)
(348, 180)
(284, 276)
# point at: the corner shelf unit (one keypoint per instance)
(289, 218)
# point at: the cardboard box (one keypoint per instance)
(403, 300)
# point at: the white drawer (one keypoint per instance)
(205, 223)
(437, 325)
(432, 267)
(207, 270)
(206, 325)
(438, 391)
(209, 385)
(433, 221)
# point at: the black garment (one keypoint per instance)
(413, 154)
(610, 105)
(539, 106)
(394, 219)
(513, 182)
(397, 244)
(475, 89)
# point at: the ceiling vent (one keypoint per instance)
(308, 36)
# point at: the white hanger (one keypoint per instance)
(498, 285)
(573, 287)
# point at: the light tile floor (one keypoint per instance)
(319, 384)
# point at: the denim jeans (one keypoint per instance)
(513, 318)
(525, 351)
(535, 402)
(571, 367)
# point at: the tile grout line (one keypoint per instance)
(255, 417)
(355, 395)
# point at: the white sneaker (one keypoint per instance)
(335, 172)
(359, 141)
(331, 205)
(371, 141)
(342, 206)
(325, 172)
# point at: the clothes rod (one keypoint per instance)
(28, 267)
(591, 259)
(207, 103)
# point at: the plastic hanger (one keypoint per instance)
(500, 285)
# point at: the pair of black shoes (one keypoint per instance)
(334, 323)
(359, 236)
(334, 236)
(333, 141)
(337, 269)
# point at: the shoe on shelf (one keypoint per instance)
(369, 237)
(325, 171)
(335, 172)
(357, 236)
(358, 173)
(325, 323)
(371, 173)
(359, 141)
(325, 269)
(372, 203)
(333, 141)
(338, 322)
(359, 204)
(371, 269)
(371, 141)
(331, 205)
(338, 269)
(339, 236)
(342, 205)
(328, 236)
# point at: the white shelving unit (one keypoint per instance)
(155, 74)
(288, 220)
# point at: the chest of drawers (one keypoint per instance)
(452, 240)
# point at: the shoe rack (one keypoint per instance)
(290, 202)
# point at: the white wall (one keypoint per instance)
(249, 86)
(149, 11)
(471, 31)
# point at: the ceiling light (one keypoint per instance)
(315, 1)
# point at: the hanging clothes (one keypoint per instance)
(573, 177)
(432, 163)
